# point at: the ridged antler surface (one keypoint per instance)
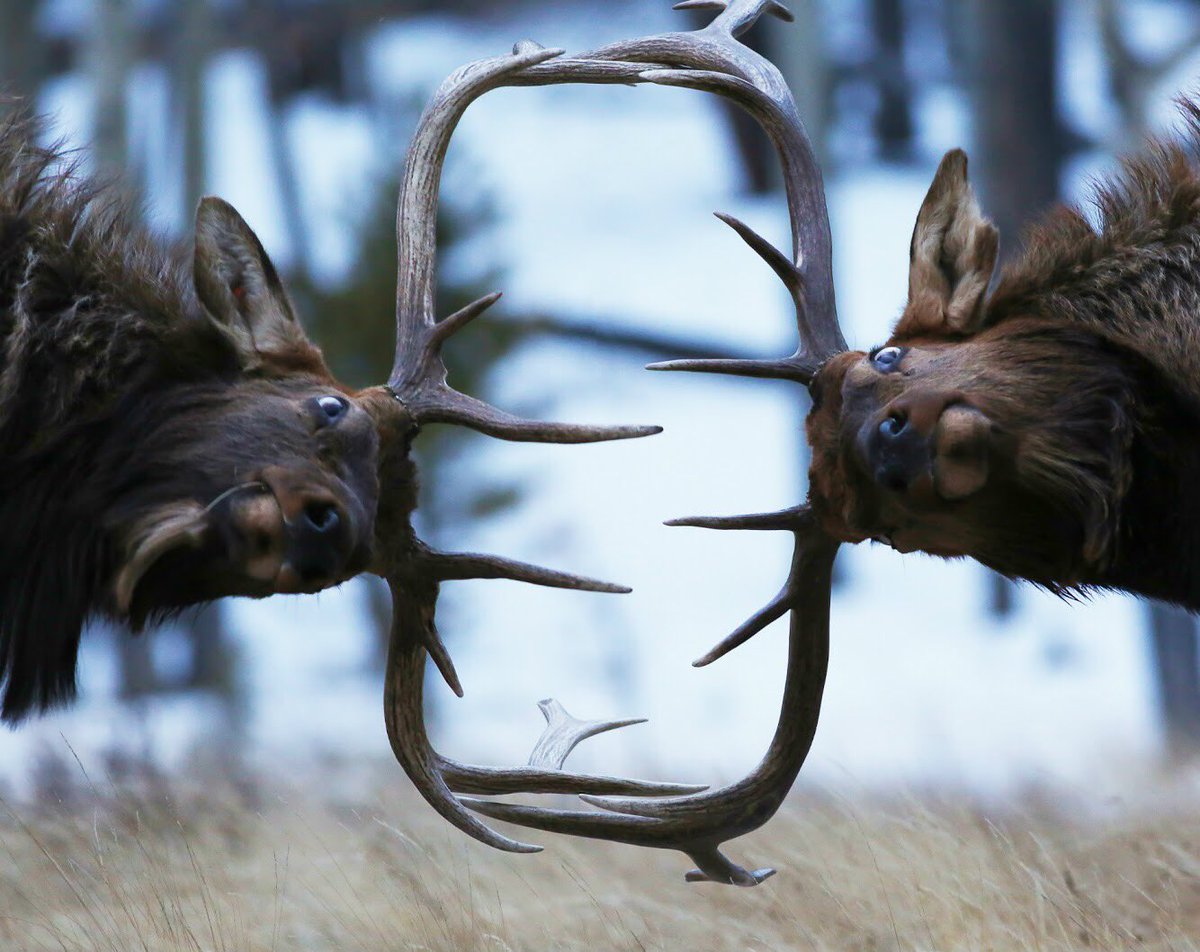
(712, 60)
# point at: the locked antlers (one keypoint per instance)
(712, 60)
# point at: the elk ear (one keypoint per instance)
(951, 259)
(239, 287)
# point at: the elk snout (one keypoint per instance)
(317, 531)
(898, 443)
(295, 534)
(898, 453)
(315, 536)
(924, 443)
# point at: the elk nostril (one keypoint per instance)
(322, 516)
(893, 426)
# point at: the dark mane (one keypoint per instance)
(1151, 201)
(95, 317)
(74, 262)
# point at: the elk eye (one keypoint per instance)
(887, 358)
(331, 409)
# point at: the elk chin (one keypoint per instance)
(962, 443)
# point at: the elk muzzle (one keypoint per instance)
(927, 446)
(290, 531)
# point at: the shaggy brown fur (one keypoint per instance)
(1085, 366)
(127, 403)
(1135, 278)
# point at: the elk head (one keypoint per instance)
(165, 441)
(255, 485)
(967, 435)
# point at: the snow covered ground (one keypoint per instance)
(605, 198)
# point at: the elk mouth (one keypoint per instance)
(278, 534)
(287, 531)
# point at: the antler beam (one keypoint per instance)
(698, 824)
(712, 60)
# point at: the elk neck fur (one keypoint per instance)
(1129, 286)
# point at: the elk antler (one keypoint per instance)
(709, 59)
(417, 393)
(698, 824)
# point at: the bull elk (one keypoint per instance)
(1046, 429)
(167, 440)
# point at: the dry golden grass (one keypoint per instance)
(215, 862)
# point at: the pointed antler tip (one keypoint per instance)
(535, 51)
(792, 520)
(737, 367)
(460, 566)
(632, 721)
(782, 11)
(747, 877)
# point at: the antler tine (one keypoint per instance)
(714, 61)
(438, 403)
(418, 377)
(545, 774)
(563, 732)
(789, 519)
(436, 777)
(457, 566)
(698, 824)
(785, 369)
(775, 609)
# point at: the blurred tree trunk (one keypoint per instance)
(1177, 669)
(379, 607)
(135, 664)
(281, 62)
(1133, 79)
(193, 46)
(205, 631)
(20, 65)
(1011, 67)
(893, 121)
(1019, 141)
(211, 654)
(109, 60)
